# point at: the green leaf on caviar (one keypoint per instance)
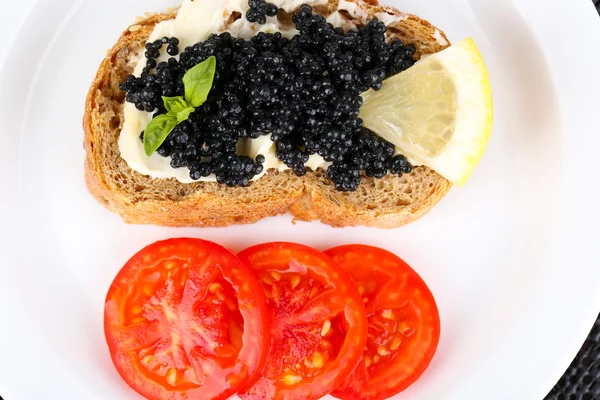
(157, 131)
(175, 105)
(197, 83)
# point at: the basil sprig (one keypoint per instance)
(197, 83)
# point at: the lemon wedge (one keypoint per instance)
(438, 113)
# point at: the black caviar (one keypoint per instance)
(305, 92)
(259, 10)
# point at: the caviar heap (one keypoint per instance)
(304, 91)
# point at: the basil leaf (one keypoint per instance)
(157, 131)
(184, 114)
(175, 105)
(198, 81)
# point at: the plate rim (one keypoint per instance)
(577, 116)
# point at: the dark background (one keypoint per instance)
(582, 380)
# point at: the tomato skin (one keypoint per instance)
(318, 327)
(185, 319)
(404, 325)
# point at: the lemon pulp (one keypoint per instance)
(438, 113)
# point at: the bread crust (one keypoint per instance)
(387, 203)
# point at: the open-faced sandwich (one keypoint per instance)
(228, 111)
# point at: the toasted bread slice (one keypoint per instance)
(386, 203)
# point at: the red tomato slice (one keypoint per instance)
(404, 325)
(318, 322)
(185, 319)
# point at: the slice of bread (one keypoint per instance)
(385, 203)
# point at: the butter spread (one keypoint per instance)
(195, 21)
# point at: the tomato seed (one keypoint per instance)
(276, 275)
(215, 287)
(317, 360)
(291, 379)
(404, 329)
(295, 281)
(171, 376)
(170, 264)
(267, 279)
(148, 359)
(383, 351)
(326, 327)
(148, 290)
(396, 342)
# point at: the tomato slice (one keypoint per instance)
(318, 329)
(403, 320)
(185, 319)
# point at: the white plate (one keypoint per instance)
(511, 258)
